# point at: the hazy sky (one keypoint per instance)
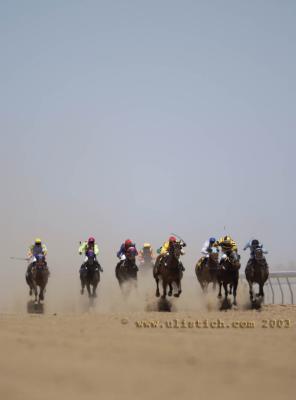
(140, 118)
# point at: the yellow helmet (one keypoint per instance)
(37, 241)
(147, 245)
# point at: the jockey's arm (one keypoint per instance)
(44, 249)
(82, 248)
(96, 249)
(204, 250)
(247, 246)
(165, 248)
(30, 252)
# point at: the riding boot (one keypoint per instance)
(181, 266)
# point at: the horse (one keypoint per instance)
(169, 270)
(90, 274)
(127, 270)
(37, 275)
(257, 272)
(206, 269)
(227, 274)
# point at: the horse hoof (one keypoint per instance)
(163, 296)
(157, 294)
(177, 294)
(81, 291)
(30, 293)
(170, 293)
(219, 296)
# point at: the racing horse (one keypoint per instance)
(126, 270)
(257, 272)
(169, 270)
(206, 269)
(228, 274)
(90, 274)
(37, 276)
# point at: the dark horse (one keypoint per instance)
(228, 274)
(206, 269)
(127, 271)
(90, 274)
(37, 275)
(169, 270)
(257, 272)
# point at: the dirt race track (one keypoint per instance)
(107, 355)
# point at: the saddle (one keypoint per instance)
(127, 266)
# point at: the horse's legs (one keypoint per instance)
(35, 291)
(220, 287)
(164, 287)
(88, 289)
(230, 288)
(41, 293)
(179, 289)
(171, 289)
(82, 285)
(261, 291)
(251, 290)
(234, 292)
(94, 293)
(225, 290)
(157, 294)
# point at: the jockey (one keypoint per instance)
(131, 255)
(121, 254)
(34, 250)
(208, 245)
(206, 250)
(146, 252)
(37, 248)
(167, 245)
(84, 247)
(228, 246)
(165, 249)
(130, 258)
(254, 244)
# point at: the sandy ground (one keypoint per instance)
(77, 351)
(106, 355)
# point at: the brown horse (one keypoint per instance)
(206, 269)
(169, 270)
(37, 275)
(228, 274)
(257, 272)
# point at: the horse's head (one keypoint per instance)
(233, 260)
(40, 261)
(90, 257)
(214, 254)
(176, 249)
(259, 254)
